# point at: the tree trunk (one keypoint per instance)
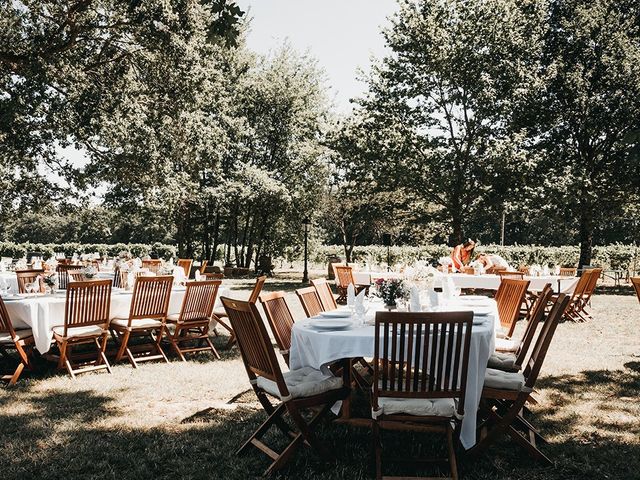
(216, 233)
(456, 223)
(586, 235)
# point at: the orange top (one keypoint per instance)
(460, 257)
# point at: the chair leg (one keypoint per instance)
(102, 347)
(377, 448)
(124, 341)
(453, 464)
(16, 375)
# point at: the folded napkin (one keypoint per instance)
(359, 304)
(414, 299)
(351, 295)
(197, 275)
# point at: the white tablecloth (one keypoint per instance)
(312, 348)
(487, 282)
(43, 312)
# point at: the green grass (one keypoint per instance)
(176, 420)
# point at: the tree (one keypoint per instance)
(437, 103)
(583, 115)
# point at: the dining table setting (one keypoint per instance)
(349, 333)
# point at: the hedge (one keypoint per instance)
(19, 250)
(616, 256)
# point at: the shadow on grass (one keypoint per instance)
(61, 436)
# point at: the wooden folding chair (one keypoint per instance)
(218, 315)
(63, 274)
(344, 277)
(192, 323)
(86, 320)
(152, 264)
(25, 277)
(509, 297)
(512, 359)
(585, 300)
(185, 263)
(117, 279)
(310, 301)
(505, 393)
(420, 376)
(510, 275)
(147, 318)
(635, 281)
(573, 310)
(203, 266)
(296, 390)
(323, 289)
(280, 320)
(568, 271)
(77, 276)
(19, 340)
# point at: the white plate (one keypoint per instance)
(481, 312)
(473, 297)
(331, 324)
(336, 314)
(479, 321)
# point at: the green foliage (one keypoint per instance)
(19, 250)
(617, 256)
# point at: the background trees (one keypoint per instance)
(185, 136)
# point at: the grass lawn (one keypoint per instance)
(185, 420)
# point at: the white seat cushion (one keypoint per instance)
(304, 382)
(173, 317)
(5, 337)
(138, 323)
(503, 345)
(77, 332)
(503, 361)
(423, 407)
(503, 380)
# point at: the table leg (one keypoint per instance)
(346, 379)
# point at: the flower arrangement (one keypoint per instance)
(50, 279)
(89, 272)
(391, 290)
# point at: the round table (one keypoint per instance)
(319, 349)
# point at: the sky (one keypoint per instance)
(342, 35)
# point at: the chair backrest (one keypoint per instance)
(88, 303)
(279, 318)
(536, 314)
(421, 355)
(212, 276)
(185, 263)
(63, 274)
(344, 275)
(254, 343)
(568, 271)
(27, 276)
(310, 301)
(509, 297)
(76, 276)
(5, 320)
(594, 275)
(539, 352)
(203, 266)
(199, 300)
(117, 280)
(512, 275)
(323, 289)
(581, 286)
(150, 298)
(635, 281)
(257, 289)
(152, 264)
